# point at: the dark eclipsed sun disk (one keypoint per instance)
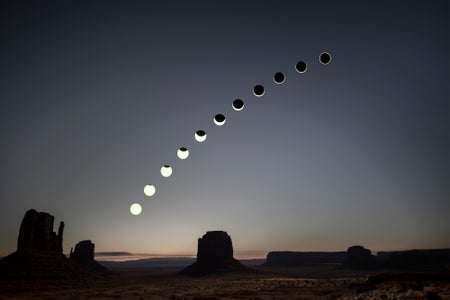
(258, 90)
(219, 119)
(200, 136)
(279, 78)
(325, 58)
(301, 67)
(238, 105)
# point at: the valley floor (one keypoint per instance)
(302, 283)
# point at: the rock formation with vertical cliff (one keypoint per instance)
(36, 232)
(39, 253)
(214, 255)
(83, 253)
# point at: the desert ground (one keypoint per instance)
(324, 282)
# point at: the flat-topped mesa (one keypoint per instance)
(83, 253)
(214, 255)
(297, 259)
(214, 246)
(36, 232)
(359, 257)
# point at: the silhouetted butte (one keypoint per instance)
(39, 252)
(36, 232)
(83, 255)
(214, 255)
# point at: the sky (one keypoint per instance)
(97, 95)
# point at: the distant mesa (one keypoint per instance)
(214, 255)
(359, 257)
(298, 259)
(356, 257)
(431, 259)
(39, 252)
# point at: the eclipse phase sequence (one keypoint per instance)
(219, 120)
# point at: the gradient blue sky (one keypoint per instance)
(97, 95)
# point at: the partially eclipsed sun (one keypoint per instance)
(219, 119)
(200, 136)
(183, 153)
(166, 171)
(238, 105)
(149, 190)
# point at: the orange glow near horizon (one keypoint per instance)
(126, 256)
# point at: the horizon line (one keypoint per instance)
(237, 254)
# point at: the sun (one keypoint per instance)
(166, 171)
(183, 153)
(200, 136)
(219, 119)
(135, 209)
(149, 190)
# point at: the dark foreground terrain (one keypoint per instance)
(319, 282)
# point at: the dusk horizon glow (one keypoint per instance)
(311, 131)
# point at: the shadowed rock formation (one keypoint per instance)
(359, 257)
(297, 259)
(214, 255)
(38, 264)
(39, 253)
(215, 246)
(83, 253)
(432, 259)
(36, 232)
